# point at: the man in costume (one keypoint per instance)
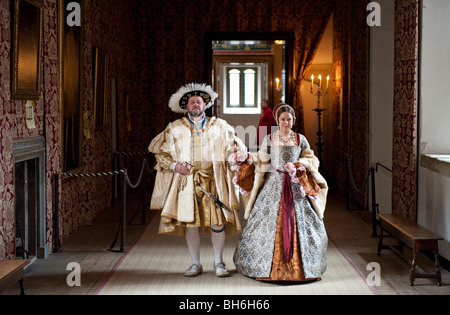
(266, 122)
(192, 165)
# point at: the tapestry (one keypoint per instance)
(350, 102)
(404, 149)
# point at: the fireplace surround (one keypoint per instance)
(30, 197)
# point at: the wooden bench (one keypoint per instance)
(11, 272)
(416, 237)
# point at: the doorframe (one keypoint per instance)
(218, 61)
(288, 37)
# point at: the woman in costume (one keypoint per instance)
(284, 238)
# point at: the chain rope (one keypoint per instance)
(144, 162)
(352, 179)
(122, 171)
(94, 174)
(133, 152)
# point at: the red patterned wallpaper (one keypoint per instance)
(12, 122)
(105, 26)
(153, 48)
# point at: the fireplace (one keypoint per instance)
(30, 198)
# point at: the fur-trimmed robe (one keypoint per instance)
(309, 160)
(176, 141)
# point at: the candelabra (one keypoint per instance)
(319, 93)
(278, 86)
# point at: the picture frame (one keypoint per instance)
(127, 111)
(71, 73)
(27, 49)
(100, 87)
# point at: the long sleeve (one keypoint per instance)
(164, 159)
(162, 147)
(262, 157)
(311, 162)
(233, 144)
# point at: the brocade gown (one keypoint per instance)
(259, 253)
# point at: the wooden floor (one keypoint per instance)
(349, 230)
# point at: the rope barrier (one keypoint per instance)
(351, 184)
(352, 179)
(132, 152)
(93, 174)
(144, 162)
(371, 174)
(126, 180)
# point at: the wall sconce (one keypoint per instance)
(29, 114)
(278, 85)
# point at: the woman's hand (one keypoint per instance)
(290, 168)
(295, 170)
(239, 157)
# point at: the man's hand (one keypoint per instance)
(180, 168)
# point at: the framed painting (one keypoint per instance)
(71, 87)
(27, 49)
(100, 87)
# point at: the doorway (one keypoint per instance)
(245, 68)
(26, 201)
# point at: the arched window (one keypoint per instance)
(249, 87)
(234, 82)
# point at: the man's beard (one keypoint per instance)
(196, 113)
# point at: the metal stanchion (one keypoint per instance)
(57, 242)
(141, 206)
(144, 210)
(122, 222)
(124, 213)
(374, 203)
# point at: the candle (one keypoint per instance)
(320, 80)
(278, 83)
(341, 107)
(312, 81)
(328, 79)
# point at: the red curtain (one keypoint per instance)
(350, 105)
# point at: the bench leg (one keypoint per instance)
(436, 263)
(22, 291)
(380, 242)
(412, 273)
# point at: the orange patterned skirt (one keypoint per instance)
(282, 270)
